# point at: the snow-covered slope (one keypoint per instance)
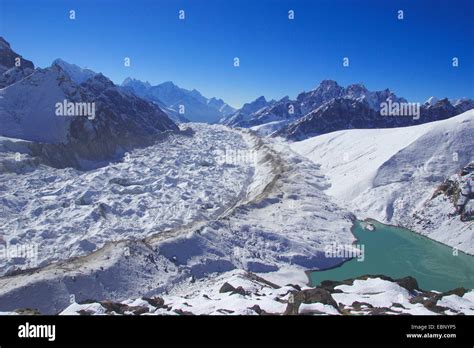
(279, 226)
(74, 212)
(75, 73)
(239, 292)
(121, 120)
(27, 108)
(391, 174)
(242, 293)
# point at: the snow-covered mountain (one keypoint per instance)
(206, 219)
(286, 109)
(348, 113)
(13, 67)
(180, 104)
(224, 108)
(75, 73)
(331, 107)
(392, 175)
(463, 104)
(120, 120)
(244, 116)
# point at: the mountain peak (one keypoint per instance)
(359, 87)
(76, 73)
(130, 80)
(169, 84)
(431, 101)
(327, 84)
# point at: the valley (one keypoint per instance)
(143, 209)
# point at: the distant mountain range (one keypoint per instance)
(136, 111)
(29, 110)
(180, 104)
(331, 107)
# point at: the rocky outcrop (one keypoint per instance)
(364, 295)
(13, 67)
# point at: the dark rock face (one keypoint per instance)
(408, 283)
(243, 116)
(316, 295)
(120, 308)
(428, 299)
(226, 287)
(345, 113)
(121, 120)
(257, 309)
(326, 91)
(182, 312)
(116, 307)
(156, 301)
(13, 67)
(335, 115)
(8, 57)
(288, 110)
(464, 105)
(239, 290)
(331, 107)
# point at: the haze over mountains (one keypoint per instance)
(180, 104)
(28, 111)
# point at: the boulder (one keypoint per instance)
(226, 287)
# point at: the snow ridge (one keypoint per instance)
(391, 174)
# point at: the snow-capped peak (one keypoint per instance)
(76, 73)
(131, 80)
(168, 84)
(431, 101)
(256, 105)
(326, 85)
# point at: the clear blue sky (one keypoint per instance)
(278, 57)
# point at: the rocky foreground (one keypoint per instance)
(242, 293)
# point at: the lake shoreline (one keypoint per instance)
(402, 252)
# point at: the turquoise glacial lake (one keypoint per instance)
(398, 252)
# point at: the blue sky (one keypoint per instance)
(278, 57)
